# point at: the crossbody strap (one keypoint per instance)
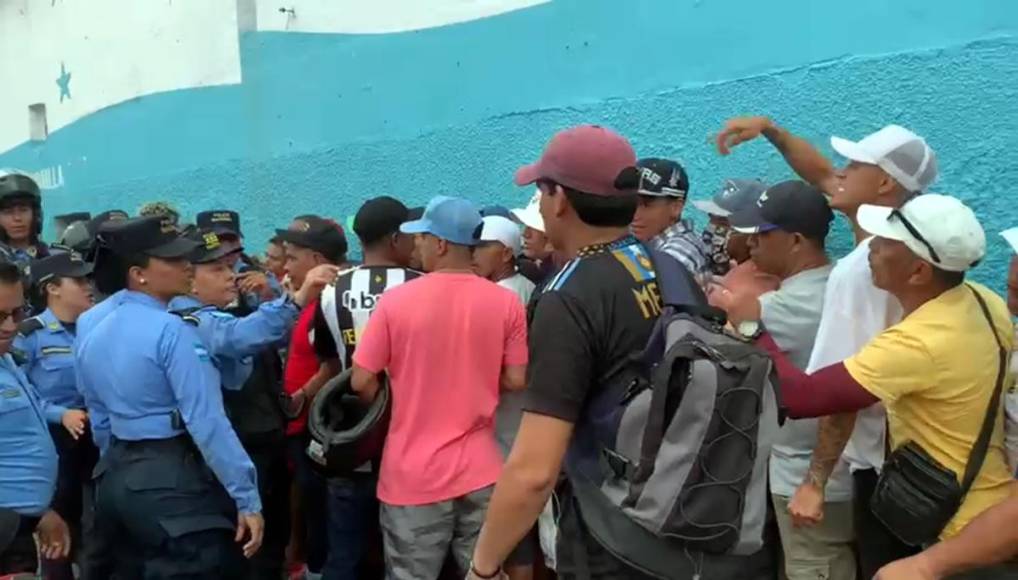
(975, 462)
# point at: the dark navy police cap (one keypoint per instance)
(154, 236)
(224, 222)
(210, 246)
(62, 265)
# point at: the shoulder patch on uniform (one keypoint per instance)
(29, 326)
(56, 350)
(188, 315)
(19, 356)
(201, 351)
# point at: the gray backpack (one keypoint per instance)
(679, 442)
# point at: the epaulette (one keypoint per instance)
(19, 356)
(29, 326)
(188, 315)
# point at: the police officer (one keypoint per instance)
(61, 291)
(20, 219)
(243, 349)
(171, 462)
(256, 285)
(28, 459)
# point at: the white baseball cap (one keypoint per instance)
(940, 229)
(530, 216)
(904, 155)
(1011, 236)
(496, 228)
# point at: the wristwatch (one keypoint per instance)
(750, 329)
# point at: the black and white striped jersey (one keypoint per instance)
(346, 305)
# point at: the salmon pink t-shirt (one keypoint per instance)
(443, 340)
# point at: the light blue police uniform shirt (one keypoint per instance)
(48, 359)
(28, 458)
(98, 415)
(137, 364)
(234, 341)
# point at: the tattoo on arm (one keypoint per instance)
(833, 434)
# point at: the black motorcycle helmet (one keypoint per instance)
(19, 187)
(346, 433)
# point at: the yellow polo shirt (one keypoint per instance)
(935, 372)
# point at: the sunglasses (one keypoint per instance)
(18, 315)
(914, 233)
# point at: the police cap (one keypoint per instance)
(112, 215)
(63, 265)
(210, 247)
(154, 236)
(223, 222)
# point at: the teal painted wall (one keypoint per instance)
(322, 121)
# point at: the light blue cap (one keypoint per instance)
(451, 218)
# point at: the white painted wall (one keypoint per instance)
(114, 50)
(376, 16)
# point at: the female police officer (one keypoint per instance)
(244, 351)
(157, 415)
(61, 291)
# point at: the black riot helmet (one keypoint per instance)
(16, 187)
(77, 237)
(345, 433)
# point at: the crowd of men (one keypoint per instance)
(172, 407)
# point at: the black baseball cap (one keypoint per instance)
(224, 222)
(154, 236)
(495, 210)
(110, 215)
(210, 246)
(378, 218)
(62, 265)
(792, 206)
(318, 234)
(662, 178)
(415, 213)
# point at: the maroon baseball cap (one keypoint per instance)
(587, 158)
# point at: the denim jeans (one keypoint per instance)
(352, 518)
(311, 486)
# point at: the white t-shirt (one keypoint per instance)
(855, 311)
(510, 405)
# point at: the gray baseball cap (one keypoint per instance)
(735, 194)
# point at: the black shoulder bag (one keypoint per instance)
(916, 496)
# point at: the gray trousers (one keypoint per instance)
(417, 538)
(823, 551)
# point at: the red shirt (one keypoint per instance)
(301, 363)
